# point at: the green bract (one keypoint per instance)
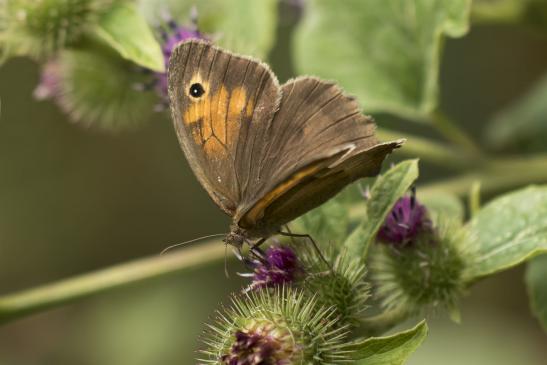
(423, 275)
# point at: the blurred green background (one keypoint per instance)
(74, 200)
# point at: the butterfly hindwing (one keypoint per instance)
(218, 129)
(321, 143)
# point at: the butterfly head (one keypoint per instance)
(236, 237)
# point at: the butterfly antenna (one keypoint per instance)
(190, 241)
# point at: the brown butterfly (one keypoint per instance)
(266, 153)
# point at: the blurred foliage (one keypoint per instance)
(522, 126)
(39, 28)
(100, 89)
(387, 55)
(243, 26)
(537, 288)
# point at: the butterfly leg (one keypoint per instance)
(316, 248)
(256, 250)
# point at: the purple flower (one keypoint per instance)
(251, 348)
(49, 86)
(405, 222)
(172, 34)
(279, 265)
(262, 345)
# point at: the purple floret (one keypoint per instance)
(405, 222)
(279, 266)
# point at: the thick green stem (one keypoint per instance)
(26, 302)
(454, 133)
(428, 150)
(498, 176)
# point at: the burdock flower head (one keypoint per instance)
(421, 266)
(276, 327)
(172, 33)
(262, 345)
(407, 219)
(279, 266)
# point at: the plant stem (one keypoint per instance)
(428, 150)
(26, 302)
(454, 133)
(495, 177)
(499, 175)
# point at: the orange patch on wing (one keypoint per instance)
(213, 147)
(257, 211)
(219, 111)
(220, 115)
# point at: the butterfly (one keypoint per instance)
(266, 153)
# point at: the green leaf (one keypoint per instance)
(243, 26)
(536, 281)
(385, 192)
(523, 125)
(387, 53)
(507, 231)
(126, 30)
(390, 350)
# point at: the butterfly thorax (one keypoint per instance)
(238, 235)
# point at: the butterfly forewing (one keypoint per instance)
(221, 104)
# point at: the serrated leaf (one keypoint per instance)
(536, 281)
(242, 26)
(507, 231)
(126, 30)
(387, 53)
(385, 192)
(523, 125)
(390, 350)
